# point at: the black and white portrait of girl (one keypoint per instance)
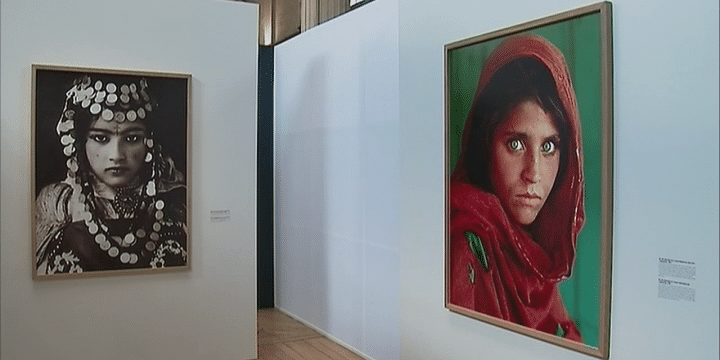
(110, 171)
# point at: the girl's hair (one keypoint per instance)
(523, 79)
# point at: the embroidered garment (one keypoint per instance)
(512, 282)
(68, 246)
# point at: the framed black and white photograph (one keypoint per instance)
(110, 155)
(529, 178)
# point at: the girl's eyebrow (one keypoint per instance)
(125, 131)
(515, 134)
(524, 136)
(553, 138)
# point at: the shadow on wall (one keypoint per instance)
(300, 191)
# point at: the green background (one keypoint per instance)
(579, 40)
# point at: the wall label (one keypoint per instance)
(675, 279)
(219, 215)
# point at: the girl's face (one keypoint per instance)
(116, 151)
(525, 156)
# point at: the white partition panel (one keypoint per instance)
(666, 178)
(206, 313)
(337, 183)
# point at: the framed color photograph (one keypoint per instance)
(529, 178)
(110, 164)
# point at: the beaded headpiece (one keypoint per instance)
(107, 102)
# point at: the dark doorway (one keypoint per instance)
(265, 180)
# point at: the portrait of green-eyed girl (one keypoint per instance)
(516, 192)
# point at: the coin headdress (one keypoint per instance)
(88, 102)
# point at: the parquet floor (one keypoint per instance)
(281, 337)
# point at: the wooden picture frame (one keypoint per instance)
(503, 266)
(110, 172)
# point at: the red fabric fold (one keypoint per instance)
(514, 287)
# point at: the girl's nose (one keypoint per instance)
(115, 151)
(531, 169)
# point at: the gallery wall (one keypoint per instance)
(665, 180)
(208, 312)
(336, 181)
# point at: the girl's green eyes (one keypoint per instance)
(548, 147)
(515, 145)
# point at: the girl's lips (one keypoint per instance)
(116, 170)
(528, 199)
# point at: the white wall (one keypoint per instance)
(337, 183)
(206, 313)
(666, 178)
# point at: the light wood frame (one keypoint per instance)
(171, 95)
(603, 143)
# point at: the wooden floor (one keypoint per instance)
(282, 337)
